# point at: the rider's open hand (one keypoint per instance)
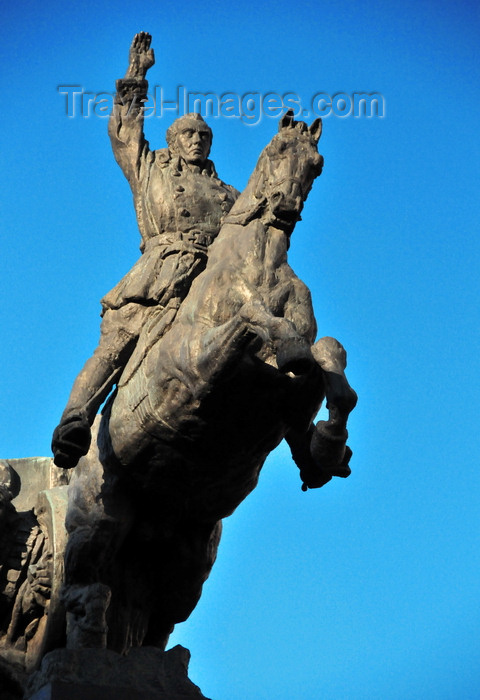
(141, 56)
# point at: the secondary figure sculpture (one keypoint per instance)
(220, 366)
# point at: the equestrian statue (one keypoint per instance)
(207, 360)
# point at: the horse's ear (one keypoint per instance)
(316, 129)
(286, 122)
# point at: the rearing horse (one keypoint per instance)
(204, 399)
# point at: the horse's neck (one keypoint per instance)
(255, 249)
(249, 205)
(248, 234)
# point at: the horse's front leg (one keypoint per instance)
(217, 348)
(341, 398)
(328, 443)
(292, 351)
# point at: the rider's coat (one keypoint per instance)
(179, 207)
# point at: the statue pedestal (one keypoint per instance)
(69, 691)
(100, 674)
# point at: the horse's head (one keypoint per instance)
(286, 171)
(283, 177)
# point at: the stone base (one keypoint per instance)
(99, 674)
(69, 691)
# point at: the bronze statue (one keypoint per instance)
(222, 365)
(210, 341)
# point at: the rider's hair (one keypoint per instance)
(191, 119)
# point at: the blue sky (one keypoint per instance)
(369, 587)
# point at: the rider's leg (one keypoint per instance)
(119, 334)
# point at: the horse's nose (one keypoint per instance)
(290, 199)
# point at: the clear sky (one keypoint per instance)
(368, 588)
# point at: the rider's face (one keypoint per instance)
(193, 144)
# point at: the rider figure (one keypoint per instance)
(179, 202)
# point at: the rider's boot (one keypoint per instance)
(72, 436)
(119, 334)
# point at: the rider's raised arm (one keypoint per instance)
(126, 121)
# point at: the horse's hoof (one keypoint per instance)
(294, 355)
(343, 470)
(330, 451)
(71, 440)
